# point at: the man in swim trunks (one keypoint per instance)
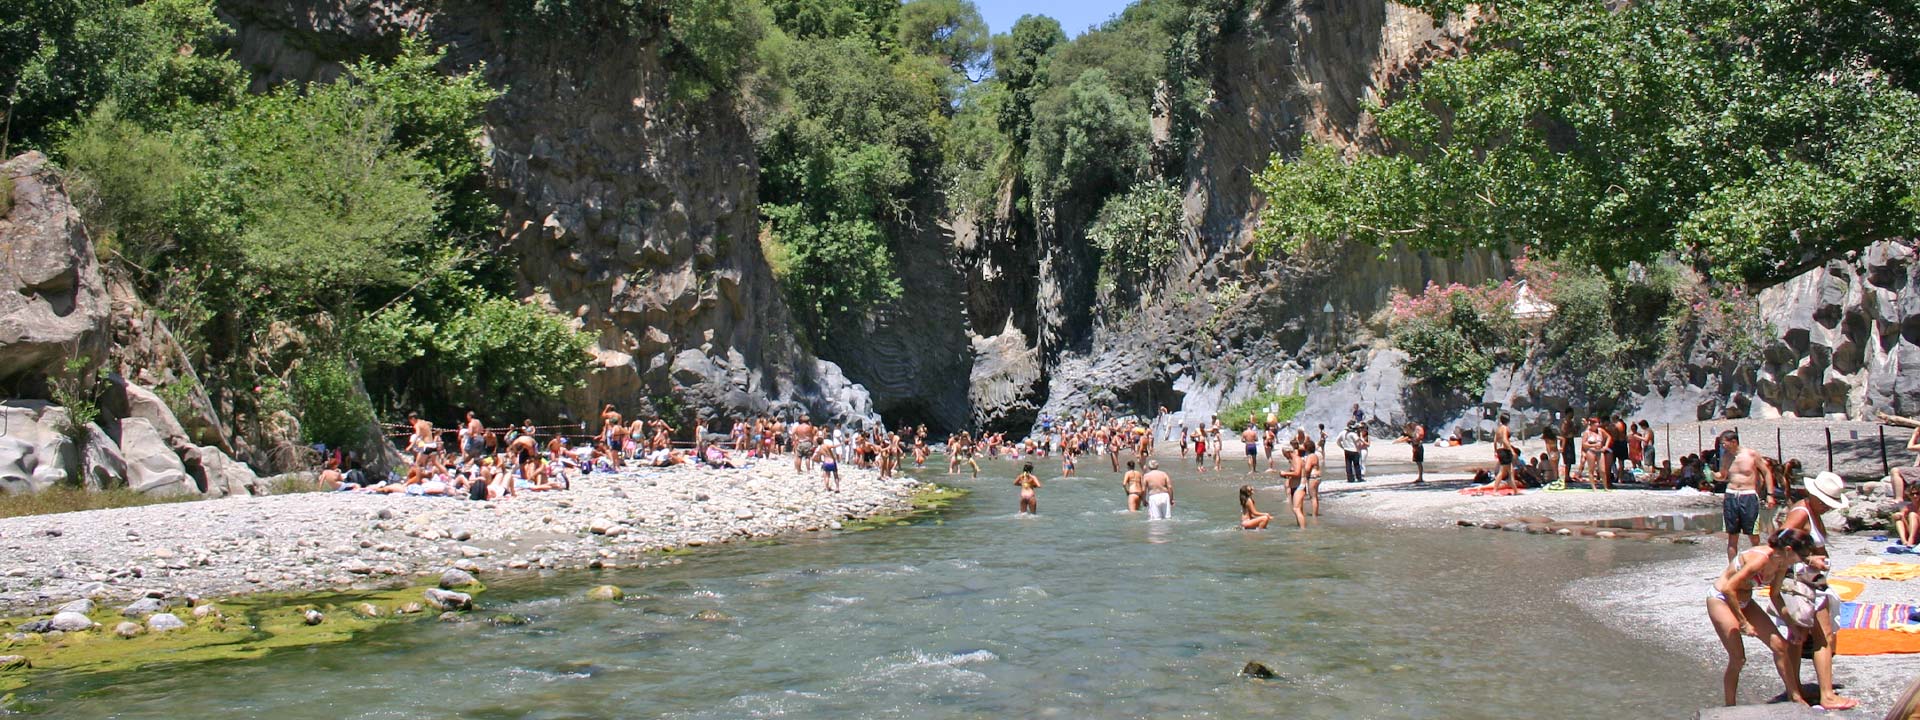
(1159, 492)
(829, 466)
(1251, 438)
(804, 438)
(475, 433)
(1504, 452)
(1135, 488)
(1415, 436)
(1748, 479)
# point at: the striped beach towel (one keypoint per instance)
(1870, 616)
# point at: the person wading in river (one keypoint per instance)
(1251, 438)
(1250, 516)
(1134, 487)
(1028, 483)
(1747, 480)
(1159, 492)
(1307, 471)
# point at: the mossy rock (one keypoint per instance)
(605, 592)
(248, 627)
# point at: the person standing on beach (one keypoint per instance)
(1136, 489)
(1028, 483)
(1415, 436)
(804, 436)
(1159, 492)
(1825, 492)
(1504, 452)
(1550, 461)
(1593, 452)
(1349, 444)
(1747, 479)
(1731, 608)
(1616, 449)
(829, 466)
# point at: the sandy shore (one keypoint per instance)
(320, 541)
(1666, 603)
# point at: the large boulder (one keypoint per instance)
(125, 399)
(219, 475)
(35, 452)
(53, 304)
(152, 466)
(101, 465)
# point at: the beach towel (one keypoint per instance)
(1882, 570)
(1877, 642)
(1480, 490)
(1871, 616)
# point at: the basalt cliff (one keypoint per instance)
(637, 216)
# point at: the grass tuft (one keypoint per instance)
(72, 499)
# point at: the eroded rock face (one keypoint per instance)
(53, 304)
(628, 211)
(35, 452)
(1848, 337)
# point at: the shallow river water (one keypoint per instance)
(1083, 611)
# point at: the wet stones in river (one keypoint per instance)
(36, 627)
(14, 662)
(69, 622)
(313, 617)
(452, 578)
(448, 600)
(163, 622)
(368, 610)
(143, 607)
(83, 606)
(1258, 671)
(605, 592)
(712, 616)
(129, 629)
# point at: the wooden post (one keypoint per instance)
(1886, 468)
(1779, 449)
(1829, 449)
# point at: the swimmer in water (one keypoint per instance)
(1135, 487)
(1028, 483)
(1250, 517)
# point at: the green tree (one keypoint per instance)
(1140, 230)
(1760, 137)
(502, 355)
(1088, 140)
(1019, 62)
(949, 30)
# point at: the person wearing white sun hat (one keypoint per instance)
(1824, 492)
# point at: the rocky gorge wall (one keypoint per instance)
(634, 213)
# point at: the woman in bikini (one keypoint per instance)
(1731, 608)
(1593, 448)
(1823, 492)
(1306, 481)
(1027, 482)
(1250, 517)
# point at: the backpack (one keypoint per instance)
(1800, 593)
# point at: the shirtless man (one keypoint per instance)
(1134, 486)
(805, 438)
(1159, 492)
(1416, 436)
(609, 422)
(1505, 452)
(475, 434)
(422, 441)
(1251, 438)
(1748, 479)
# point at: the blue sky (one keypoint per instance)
(1075, 16)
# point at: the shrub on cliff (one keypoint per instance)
(1139, 232)
(1454, 335)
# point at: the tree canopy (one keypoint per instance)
(1757, 136)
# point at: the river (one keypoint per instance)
(1082, 611)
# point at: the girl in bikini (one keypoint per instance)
(1027, 482)
(1250, 517)
(1731, 608)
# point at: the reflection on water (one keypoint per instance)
(1083, 611)
(1707, 522)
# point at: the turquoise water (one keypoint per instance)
(1083, 611)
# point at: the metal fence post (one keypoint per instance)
(1886, 468)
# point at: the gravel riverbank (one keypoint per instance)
(320, 541)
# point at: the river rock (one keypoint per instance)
(605, 592)
(1258, 671)
(34, 627)
(129, 629)
(14, 662)
(412, 608)
(599, 526)
(712, 616)
(70, 622)
(164, 622)
(152, 466)
(357, 566)
(448, 600)
(313, 617)
(209, 609)
(143, 607)
(456, 578)
(84, 606)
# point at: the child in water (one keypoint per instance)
(1250, 517)
(1028, 483)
